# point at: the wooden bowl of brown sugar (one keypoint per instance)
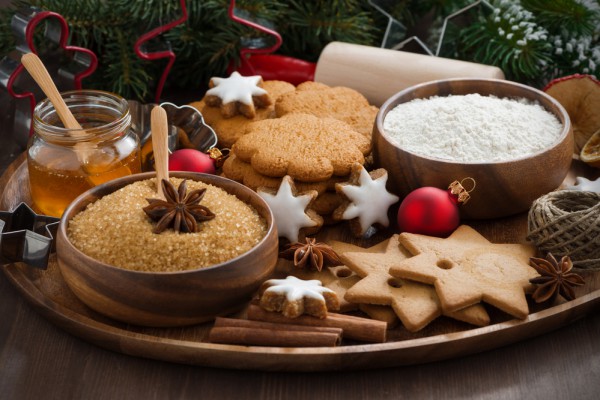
(515, 141)
(113, 263)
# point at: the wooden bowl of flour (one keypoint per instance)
(505, 185)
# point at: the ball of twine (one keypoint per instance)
(567, 223)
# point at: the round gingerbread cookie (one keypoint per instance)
(229, 130)
(308, 148)
(326, 203)
(339, 102)
(242, 172)
(312, 85)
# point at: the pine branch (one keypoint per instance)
(568, 17)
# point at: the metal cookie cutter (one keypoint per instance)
(26, 236)
(187, 129)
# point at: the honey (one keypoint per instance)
(56, 181)
(63, 164)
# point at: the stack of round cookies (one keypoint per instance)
(313, 133)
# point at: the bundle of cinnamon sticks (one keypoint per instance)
(264, 328)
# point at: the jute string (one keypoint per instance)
(567, 223)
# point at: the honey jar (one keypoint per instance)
(63, 163)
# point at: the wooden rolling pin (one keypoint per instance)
(379, 73)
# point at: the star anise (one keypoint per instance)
(555, 277)
(180, 211)
(311, 255)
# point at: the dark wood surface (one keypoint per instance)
(39, 360)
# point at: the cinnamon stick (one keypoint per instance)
(363, 329)
(244, 332)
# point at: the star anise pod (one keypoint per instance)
(555, 277)
(180, 211)
(311, 255)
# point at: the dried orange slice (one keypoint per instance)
(580, 96)
(590, 153)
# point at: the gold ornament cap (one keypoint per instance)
(218, 156)
(457, 188)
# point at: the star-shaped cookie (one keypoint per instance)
(339, 278)
(289, 209)
(584, 184)
(415, 304)
(367, 199)
(466, 269)
(374, 311)
(294, 297)
(237, 95)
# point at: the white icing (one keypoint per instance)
(236, 88)
(296, 289)
(289, 211)
(586, 185)
(370, 201)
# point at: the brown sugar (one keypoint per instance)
(116, 231)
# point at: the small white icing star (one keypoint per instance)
(586, 185)
(295, 289)
(370, 200)
(289, 210)
(236, 88)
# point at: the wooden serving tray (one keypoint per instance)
(442, 339)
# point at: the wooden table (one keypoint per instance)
(40, 361)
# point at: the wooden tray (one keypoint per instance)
(442, 339)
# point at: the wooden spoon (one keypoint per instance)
(160, 130)
(39, 73)
(97, 172)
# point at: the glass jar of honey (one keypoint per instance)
(63, 163)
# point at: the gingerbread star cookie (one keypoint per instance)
(290, 209)
(465, 269)
(375, 311)
(237, 95)
(293, 297)
(367, 199)
(307, 148)
(415, 304)
(585, 184)
(229, 130)
(340, 279)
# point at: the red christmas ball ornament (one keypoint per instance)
(191, 160)
(432, 211)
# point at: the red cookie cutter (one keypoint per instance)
(260, 61)
(140, 48)
(24, 24)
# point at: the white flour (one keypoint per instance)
(471, 128)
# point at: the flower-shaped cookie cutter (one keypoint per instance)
(142, 48)
(256, 57)
(24, 24)
(26, 236)
(187, 128)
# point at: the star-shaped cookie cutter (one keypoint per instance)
(394, 27)
(26, 236)
(24, 24)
